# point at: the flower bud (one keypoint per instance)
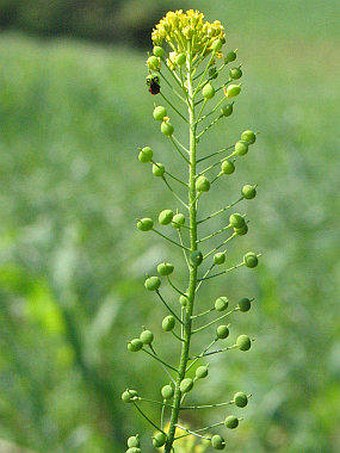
(201, 372)
(219, 258)
(167, 392)
(240, 399)
(152, 283)
(231, 422)
(227, 167)
(145, 155)
(217, 442)
(241, 231)
(248, 136)
(129, 395)
(153, 63)
(183, 300)
(165, 269)
(168, 323)
(159, 113)
(231, 56)
(248, 191)
(227, 110)
(135, 345)
(222, 332)
(217, 45)
(208, 91)
(244, 304)
(180, 59)
(241, 148)
(133, 441)
(178, 220)
(158, 169)
(243, 342)
(202, 184)
(165, 217)
(233, 90)
(235, 73)
(158, 51)
(196, 257)
(186, 385)
(221, 303)
(146, 337)
(167, 128)
(133, 450)
(145, 224)
(236, 220)
(250, 259)
(158, 440)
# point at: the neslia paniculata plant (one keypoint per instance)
(196, 80)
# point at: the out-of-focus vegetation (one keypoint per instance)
(71, 262)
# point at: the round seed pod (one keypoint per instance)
(129, 395)
(180, 59)
(208, 91)
(158, 169)
(241, 231)
(135, 345)
(248, 191)
(186, 385)
(133, 441)
(167, 128)
(231, 422)
(231, 56)
(165, 216)
(222, 332)
(236, 220)
(219, 258)
(235, 73)
(165, 269)
(168, 323)
(178, 220)
(183, 300)
(145, 224)
(241, 399)
(158, 51)
(167, 392)
(243, 342)
(196, 257)
(202, 184)
(217, 442)
(227, 167)
(145, 155)
(227, 110)
(241, 148)
(201, 372)
(152, 283)
(159, 113)
(221, 303)
(133, 450)
(146, 337)
(250, 259)
(158, 440)
(244, 304)
(248, 136)
(233, 90)
(153, 63)
(217, 45)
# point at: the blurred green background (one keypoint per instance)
(72, 113)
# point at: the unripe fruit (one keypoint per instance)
(145, 155)
(152, 283)
(221, 303)
(145, 224)
(180, 59)
(133, 441)
(241, 399)
(227, 110)
(202, 372)
(135, 345)
(248, 191)
(178, 220)
(235, 73)
(241, 231)
(217, 442)
(233, 90)
(186, 385)
(129, 395)
(133, 450)
(248, 136)
(153, 63)
(165, 269)
(167, 128)
(158, 440)
(202, 184)
(158, 51)
(243, 342)
(231, 56)
(217, 45)
(222, 332)
(244, 304)
(250, 259)
(227, 167)
(219, 258)
(159, 113)
(208, 91)
(165, 217)
(236, 220)
(231, 422)
(241, 148)
(196, 257)
(168, 323)
(167, 392)
(183, 301)
(146, 337)
(158, 169)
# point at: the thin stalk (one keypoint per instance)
(147, 418)
(159, 360)
(170, 240)
(174, 193)
(214, 321)
(179, 150)
(220, 211)
(168, 307)
(173, 107)
(222, 150)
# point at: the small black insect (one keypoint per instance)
(152, 82)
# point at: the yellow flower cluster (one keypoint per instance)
(179, 28)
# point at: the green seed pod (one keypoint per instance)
(222, 332)
(235, 73)
(135, 345)
(231, 56)
(158, 169)
(243, 342)
(217, 442)
(167, 128)
(145, 155)
(158, 440)
(244, 304)
(231, 422)
(227, 110)
(153, 63)
(159, 113)
(241, 399)
(167, 392)
(178, 220)
(133, 441)
(233, 90)
(129, 395)
(202, 184)
(168, 323)
(183, 301)
(241, 148)
(248, 191)
(236, 220)
(217, 45)
(250, 259)
(227, 167)
(165, 217)
(146, 337)
(133, 450)
(221, 303)
(145, 224)
(180, 59)
(158, 51)
(241, 231)
(201, 372)
(219, 258)
(152, 283)
(165, 269)
(196, 257)
(248, 136)
(208, 91)
(186, 385)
